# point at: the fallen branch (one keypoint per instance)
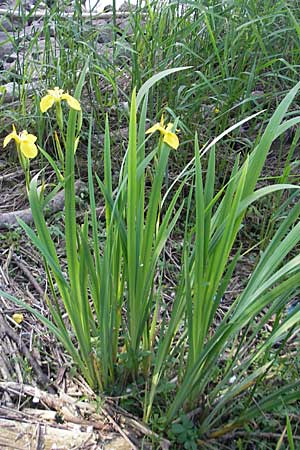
(63, 403)
(6, 329)
(66, 405)
(10, 219)
(28, 275)
(140, 427)
(19, 434)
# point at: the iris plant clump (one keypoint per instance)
(106, 300)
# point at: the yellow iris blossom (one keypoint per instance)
(25, 142)
(169, 137)
(56, 95)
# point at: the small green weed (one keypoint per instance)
(184, 432)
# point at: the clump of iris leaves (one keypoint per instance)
(183, 356)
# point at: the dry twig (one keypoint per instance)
(67, 407)
(7, 330)
(10, 219)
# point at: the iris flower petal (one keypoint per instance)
(72, 102)
(10, 136)
(56, 95)
(7, 139)
(46, 103)
(25, 142)
(171, 139)
(156, 127)
(28, 149)
(169, 126)
(30, 138)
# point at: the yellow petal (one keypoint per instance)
(72, 102)
(28, 149)
(10, 136)
(18, 317)
(31, 138)
(156, 127)
(169, 126)
(162, 121)
(46, 103)
(56, 93)
(171, 139)
(7, 139)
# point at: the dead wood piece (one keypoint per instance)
(10, 219)
(135, 424)
(25, 436)
(63, 404)
(6, 375)
(11, 351)
(11, 175)
(68, 407)
(117, 444)
(51, 416)
(119, 429)
(52, 401)
(28, 274)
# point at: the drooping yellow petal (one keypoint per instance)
(25, 142)
(56, 95)
(46, 103)
(10, 136)
(72, 102)
(7, 139)
(171, 139)
(28, 149)
(156, 127)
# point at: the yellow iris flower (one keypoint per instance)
(56, 95)
(169, 137)
(25, 142)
